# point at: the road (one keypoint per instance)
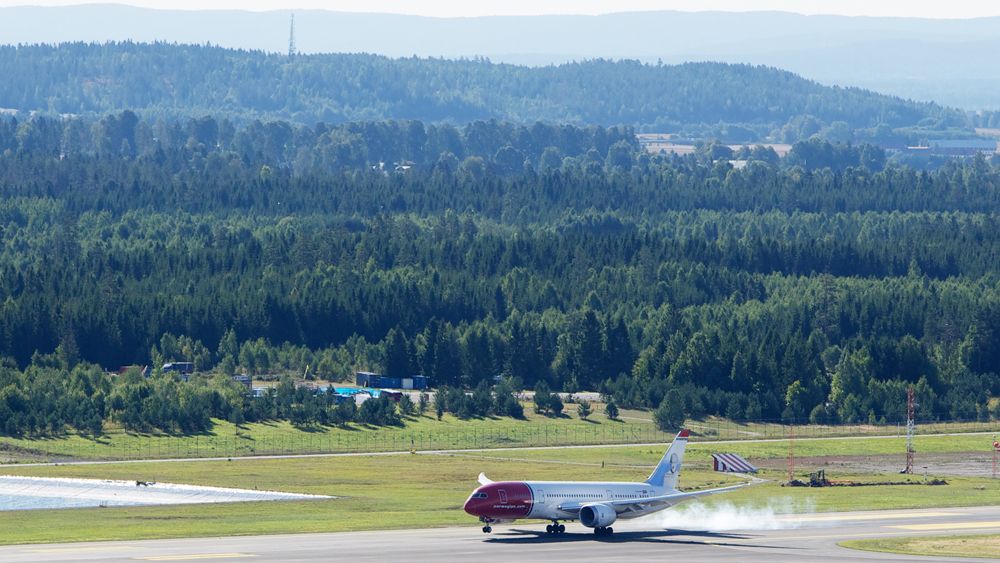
(808, 538)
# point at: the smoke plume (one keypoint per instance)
(777, 514)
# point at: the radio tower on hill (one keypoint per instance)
(291, 37)
(911, 404)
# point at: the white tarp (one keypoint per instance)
(22, 493)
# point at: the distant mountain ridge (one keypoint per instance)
(163, 78)
(949, 61)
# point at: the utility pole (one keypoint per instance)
(291, 37)
(910, 429)
(791, 451)
(996, 453)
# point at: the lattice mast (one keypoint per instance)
(791, 452)
(911, 426)
(291, 37)
(996, 454)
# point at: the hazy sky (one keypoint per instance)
(445, 8)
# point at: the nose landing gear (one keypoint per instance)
(487, 529)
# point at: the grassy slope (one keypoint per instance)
(945, 546)
(413, 491)
(425, 433)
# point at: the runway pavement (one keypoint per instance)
(809, 538)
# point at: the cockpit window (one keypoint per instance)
(478, 495)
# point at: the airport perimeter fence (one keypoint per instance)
(332, 440)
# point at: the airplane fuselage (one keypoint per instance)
(596, 505)
(513, 500)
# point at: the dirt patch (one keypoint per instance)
(968, 464)
(12, 453)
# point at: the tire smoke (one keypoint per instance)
(777, 514)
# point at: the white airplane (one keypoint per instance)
(596, 505)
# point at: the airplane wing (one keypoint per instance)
(641, 504)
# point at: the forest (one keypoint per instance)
(731, 102)
(815, 287)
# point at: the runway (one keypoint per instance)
(812, 538)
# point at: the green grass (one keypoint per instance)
(406, 491)
(422, 433)
(860, 446)
(701, 451)
(381, 492)
(984, 546)
(427, 433)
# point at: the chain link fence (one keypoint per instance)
(322, 440)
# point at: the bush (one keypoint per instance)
(505, 403)
(543, 397)
(406, 406)
(669, 416)
(611, 410)
(379, 412)
(583, 409)
(555, 404)
(482, 399)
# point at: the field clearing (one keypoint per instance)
(425, 490)
(986, 546)
(700, 452)
(425, 433)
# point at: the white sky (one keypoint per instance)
(450, 8)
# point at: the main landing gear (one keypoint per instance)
(604, 531)
(555, 528)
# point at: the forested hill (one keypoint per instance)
(818, 286)
(949, 61)
(184, 79)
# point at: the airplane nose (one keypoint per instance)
(470, 507)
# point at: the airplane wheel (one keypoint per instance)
(487, 529)
(548, 529)
(609, 531)
(562, 529)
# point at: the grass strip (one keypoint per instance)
(414, 491)
(982, 546)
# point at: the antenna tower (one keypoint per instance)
(910, 429)
(291, 37)
(791, 452)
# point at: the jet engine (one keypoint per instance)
(597, 515)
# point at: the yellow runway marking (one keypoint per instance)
(949, 526)
(859, 517)
(79, 549)
(195, 556)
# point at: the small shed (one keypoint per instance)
(378, 381)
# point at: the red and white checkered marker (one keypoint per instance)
(732, 463)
